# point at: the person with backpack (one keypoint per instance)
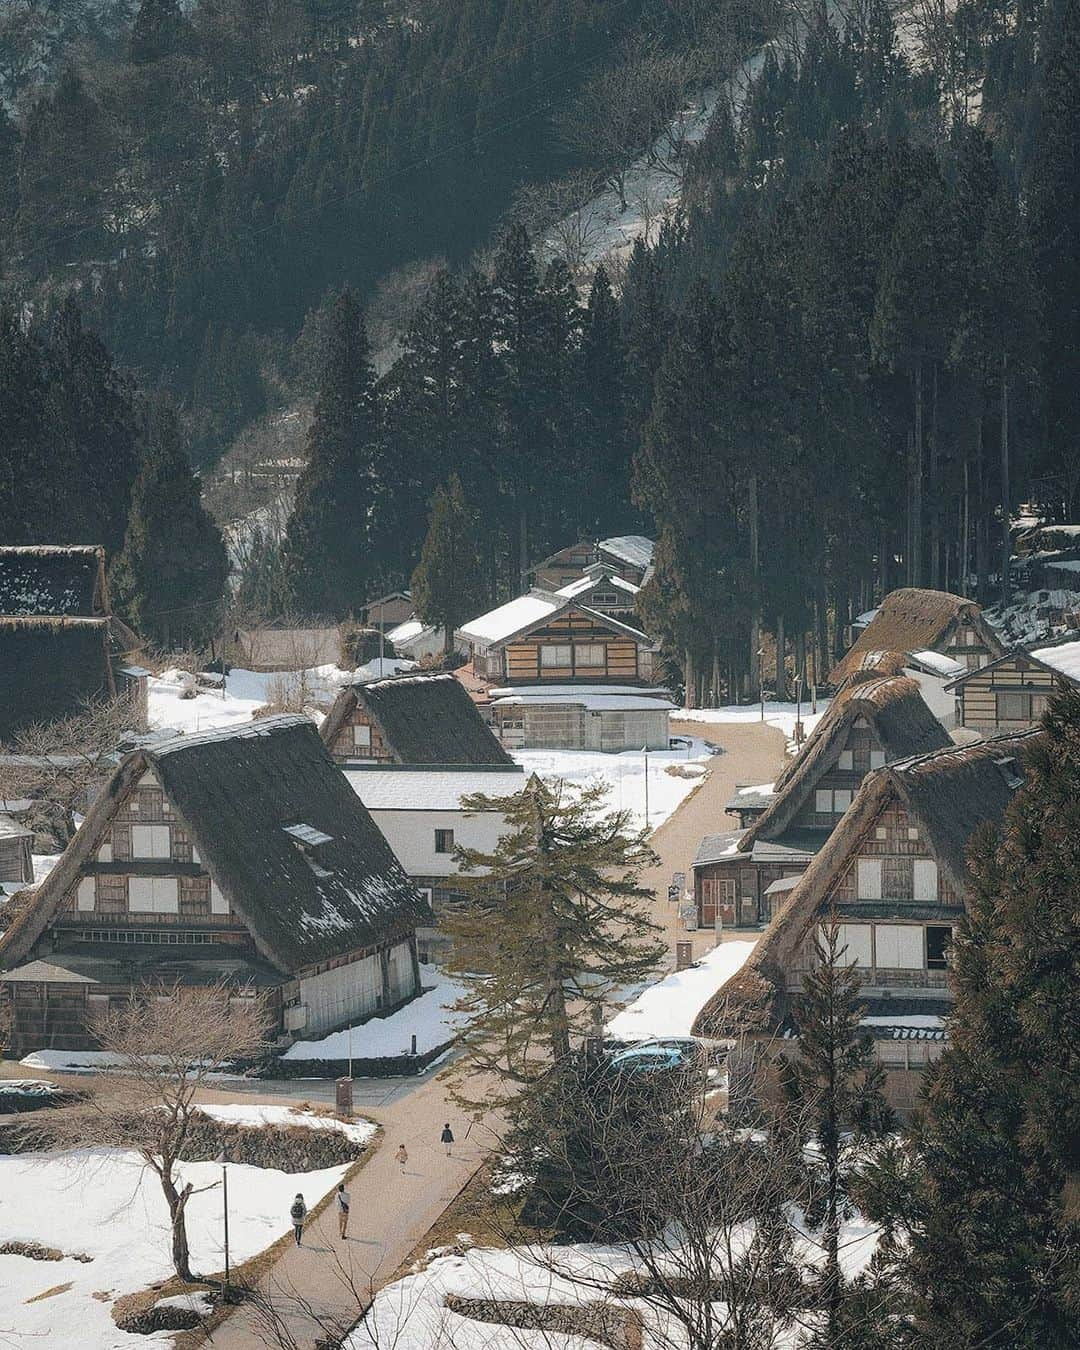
(298, 1213)
(342, 1209)
(447, 1138)
(402, 1155)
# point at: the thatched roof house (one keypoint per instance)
(917, 620)
(60, 647)
(908, 828)
(410, 719)
(240, 853)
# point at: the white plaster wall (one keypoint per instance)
(411, 834)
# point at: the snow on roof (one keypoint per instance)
(404, 631)
(1064, 658)
(784, 884)
(429, 790)
(594, 702)
(512, 617)
(634, 549)
(937, 664)
(587, 583)
(670, 1007)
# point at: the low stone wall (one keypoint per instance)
(608, 1325)
(390, 1066)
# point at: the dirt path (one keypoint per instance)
(753, 753)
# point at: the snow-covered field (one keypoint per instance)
(625, 775)
(669, 1008)
(430, 1018)
(104, 1204)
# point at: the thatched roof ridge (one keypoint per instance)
(56, 579)
(305, 896)
(424, 718)
(950, 793)
(915, 619)
(897, 714)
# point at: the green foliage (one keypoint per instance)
(554, 922)
(448, 584)
(169, 579)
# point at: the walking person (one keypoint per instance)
(447, 1138)
(342, 1210)
(402, 1155)
(298, 1213)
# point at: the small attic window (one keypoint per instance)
(1008, 770)
(307, 834)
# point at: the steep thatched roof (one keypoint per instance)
(893, 708)
(52, 579)
(913, 620)
(278, 828)
(50, 668)
(423, 718)
(950, 793)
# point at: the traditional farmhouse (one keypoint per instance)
(563, 675)
(415, 640)
(16, 844)
(1012, 692)
(410, 719)
(894, 872)
(923, 621)
(238, 856)
(870, 723)
(60, 646)
(421, 815)
(388, 611)
(629, 556)
(273, 647)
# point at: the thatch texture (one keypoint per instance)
(59, 580)
(50, 668)
(423, 718)
(893, 708)
(321, 891)
(949, 794)
(914, 620)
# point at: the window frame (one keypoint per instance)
(441, 835)
(547, 663)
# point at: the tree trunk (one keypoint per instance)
(781, 670)
(982, 532)
(965, 531)
(688, 678)
(714, 701)
(917, 482)
(1005, 486)
(523, 548)
(934, 511)
(753, 690)
(177, 1202)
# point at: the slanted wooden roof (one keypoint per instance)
(52, 579)
(894, 709)
(423, 718)
(913, 619)
(950, 793)
(304, 896)
(50, 668)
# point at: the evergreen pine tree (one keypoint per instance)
(29, 505)
(602, 442)
(836, 1086)
(169, 579)
(158, 31)
(326, 551)
(552, 923)
(995, 1242)
(448, 586)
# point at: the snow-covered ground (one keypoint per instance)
(673, 775)
(669, 1008)
(430, 1018)
(243, 1113)
(103, 1203)
(411, 1313)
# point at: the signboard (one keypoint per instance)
(344, 1097)
(684, 955)
(678, 880)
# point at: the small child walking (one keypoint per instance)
(402, 1155)
(342, 1210)
(447, 1138)
(298, 1213)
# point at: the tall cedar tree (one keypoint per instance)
(835, 1085)
(448, 584)
(326, 554)
(169, 579)
(553, 921)
(994, 1259)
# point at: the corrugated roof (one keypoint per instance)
(429, 789)
(634, 549)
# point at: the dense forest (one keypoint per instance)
(867, 300)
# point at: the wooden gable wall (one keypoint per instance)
(575, 630)
(981, 708)
(349, 746)
(863, 751)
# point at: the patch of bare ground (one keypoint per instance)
(50, 1293)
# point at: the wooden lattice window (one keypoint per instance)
(151, 802)
(181, 845)
(110, 895)
(121, 843)
(194, 897)
(897, 878)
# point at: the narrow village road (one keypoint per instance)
(753, 752)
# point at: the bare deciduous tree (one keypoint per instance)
(562, 214)
(58, 765)
(166, 1041)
